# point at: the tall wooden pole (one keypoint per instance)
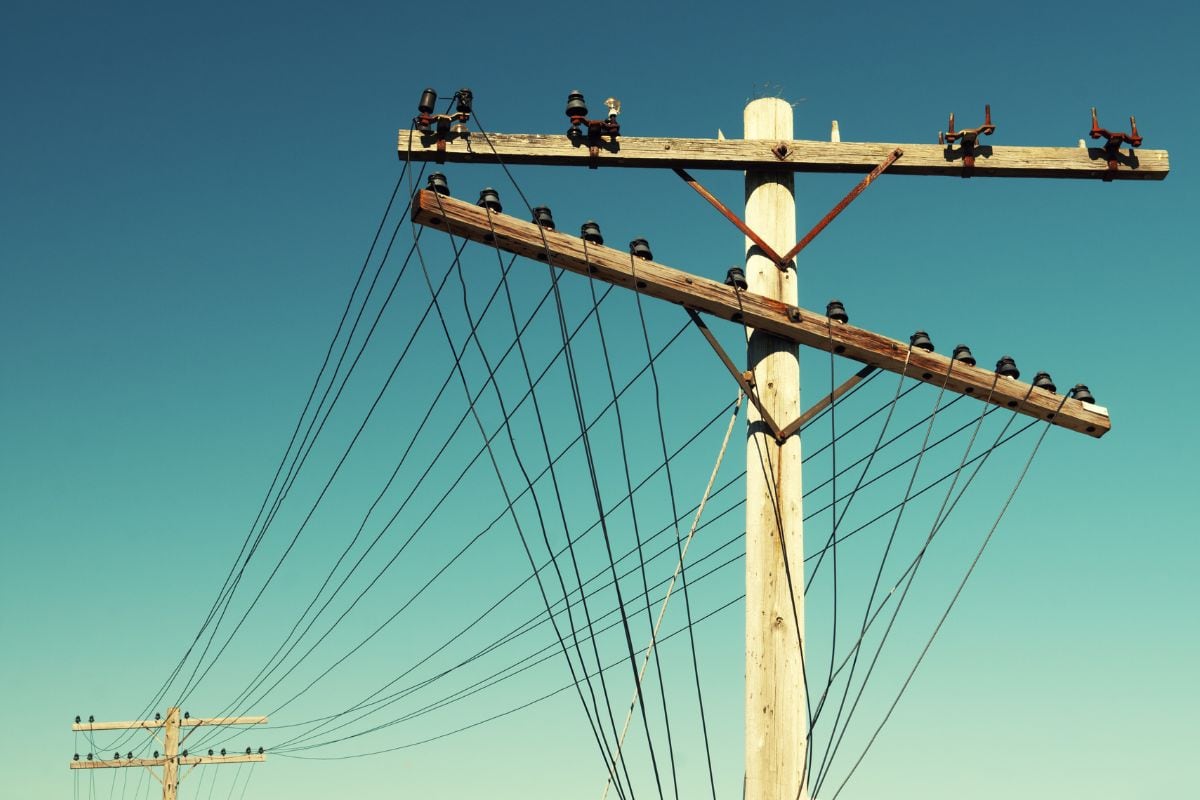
(776, 716)
(170, 780)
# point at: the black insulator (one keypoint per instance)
(462, 99)
(89, 758)
(437, 183)
(736, 277)
(77, 719)
(157, 717)
(93, 719)
(129, 755)
(247, 751)
(489, 198)
(116, 756)
(210, 752)
(920, 341)
(1043, 381)
(963, 353)
(156, 754)
(641, 249)
(1082, 394)
(836, 311)
(590, 232)
(1007, 368)
(185, 753)
(428, 100)
(260, 751)
(575, 105)
(222, 751)
(543, 217)
(77, 756)
(187, 715)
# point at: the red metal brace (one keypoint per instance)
(968, 138)
(1113, 142)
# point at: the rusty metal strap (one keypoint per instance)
(732, 217)
(840, 207)
(747, 385)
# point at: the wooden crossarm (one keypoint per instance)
(789, 322)
(159, 723)
(800, 156)
(158, 762)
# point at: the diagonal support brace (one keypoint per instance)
(827, 401)
(840, 207)
(746, 383)
(738, 222)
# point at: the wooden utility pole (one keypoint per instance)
(171, 758)
(776, 714)
(776, 730)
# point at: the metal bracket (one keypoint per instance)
(968, 138)
(597, 129)
(1113, 142)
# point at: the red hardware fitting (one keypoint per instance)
(968, 137)
(596, 130)
(1113, 141)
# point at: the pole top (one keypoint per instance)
(768, 118)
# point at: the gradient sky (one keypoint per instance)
(189, 193)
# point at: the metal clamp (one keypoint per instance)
(968, 138)
(446, 126)
(597, 129)
(1113, 142)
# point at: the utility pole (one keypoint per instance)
(171, 758)
(765, 301)
(776, 725)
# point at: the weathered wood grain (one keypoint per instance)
(797, 324)
(158, 762)
(1005, 161)
(159, 723)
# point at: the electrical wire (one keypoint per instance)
(954, 599)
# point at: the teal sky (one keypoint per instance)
(188, 196)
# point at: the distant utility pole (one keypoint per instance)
(172, 758)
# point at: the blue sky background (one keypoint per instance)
(190, 192)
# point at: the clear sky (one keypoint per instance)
(188, 196)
